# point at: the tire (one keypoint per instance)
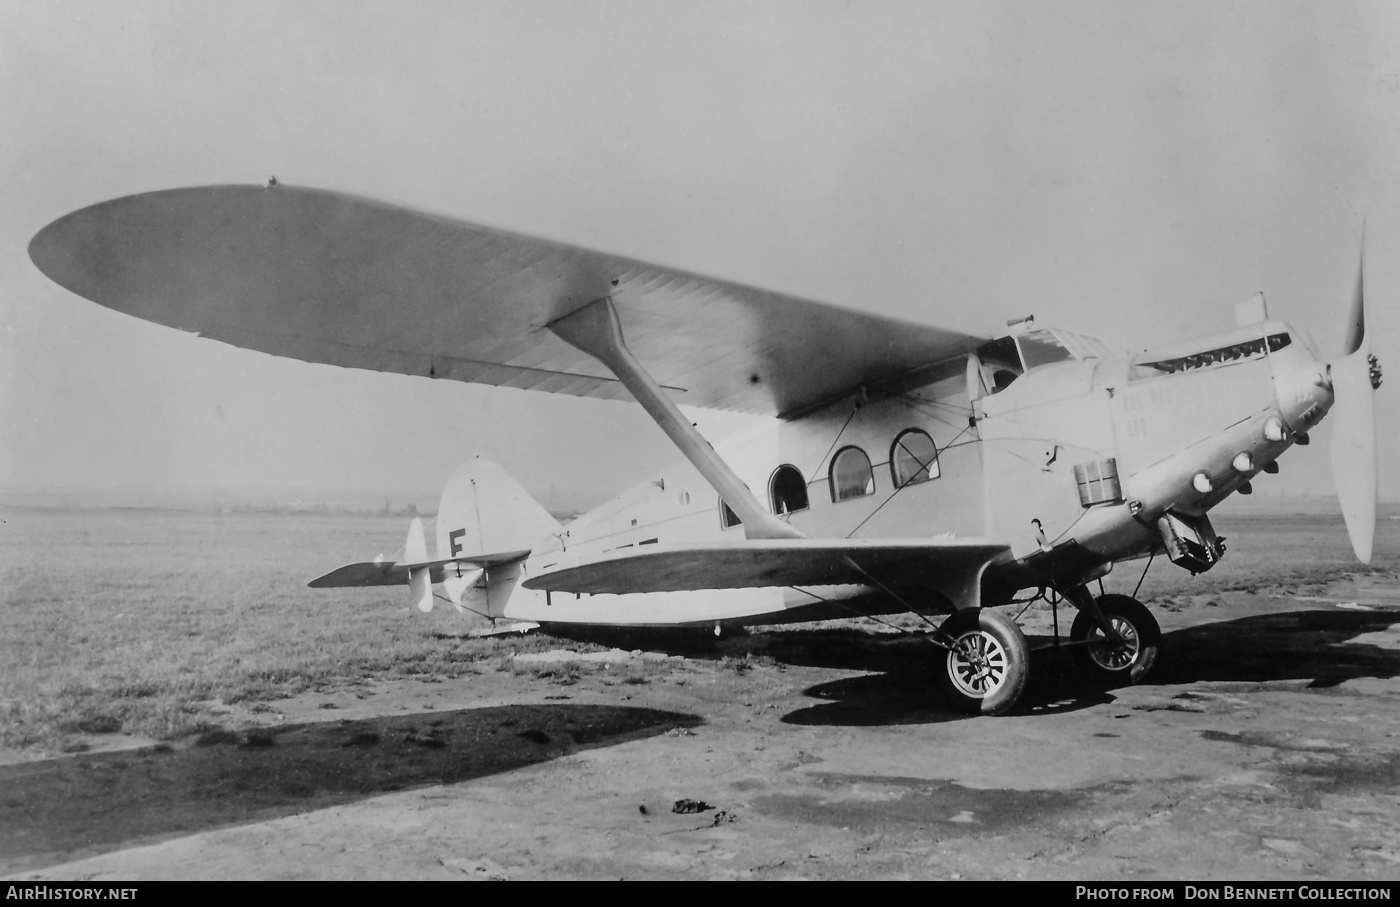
(985, 672)
(1126, 664)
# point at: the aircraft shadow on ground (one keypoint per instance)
(1316, 645)
(897, 686)
(60, 809)
(904, 690)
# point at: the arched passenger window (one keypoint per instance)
(851, 475)
(913, 458)
(787, 490)
(728, 519)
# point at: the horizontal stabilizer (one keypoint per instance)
(370, 573)
(389, 573)
(770, 562)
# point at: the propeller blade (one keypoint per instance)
(420, 586)
(420, 578)
(1354, 431)
(1356, 318)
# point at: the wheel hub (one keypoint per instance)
(1119, 654)
(977, 664)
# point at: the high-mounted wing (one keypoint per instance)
(952, 565)
(332, 278)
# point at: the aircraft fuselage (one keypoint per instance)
(1075, 464)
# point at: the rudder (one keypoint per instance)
(483, 510)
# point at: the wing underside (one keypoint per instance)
(951, 564)
(331, 278)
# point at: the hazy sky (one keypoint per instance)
(1122, 169)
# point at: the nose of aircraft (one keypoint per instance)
(1303, 388)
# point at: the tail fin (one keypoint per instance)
(486, 526)
(483, 510)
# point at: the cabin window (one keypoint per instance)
(787, 490)
(913, 459)
(851, 475)
(728, 519)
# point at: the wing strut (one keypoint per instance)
(596, 330)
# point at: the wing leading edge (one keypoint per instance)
(332, 278)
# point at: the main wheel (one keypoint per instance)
(1129, 661)
(984, 673)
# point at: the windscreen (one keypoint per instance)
(1041, 348)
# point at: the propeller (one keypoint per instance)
(1355, 378)
(420, 577)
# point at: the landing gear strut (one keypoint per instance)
(985, 669)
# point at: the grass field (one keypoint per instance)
(138, 621)
(131, 620)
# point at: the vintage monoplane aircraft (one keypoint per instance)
(907, 467)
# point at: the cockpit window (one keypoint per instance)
(1001, 363)
(1008, 358)
(1041, 348)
